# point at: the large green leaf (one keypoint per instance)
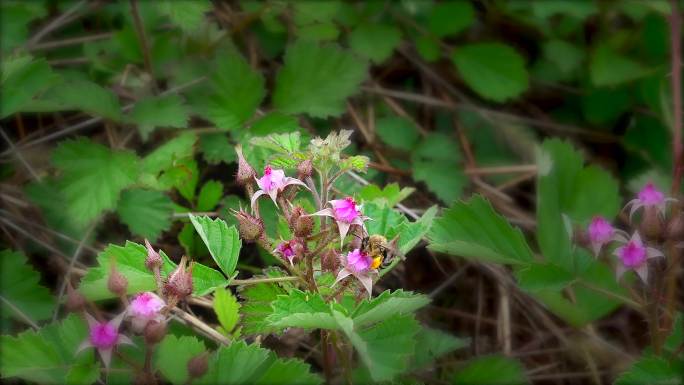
(303, 310)
(653, 370)
(227, 309)
(46, 356)
(305, 84)
(22, 79)
(257, 304)
(397, 132)
(432, 344)
(609, 68)
(223, 242)
(491, 370)
(82, 95)
(187, 14)
(494, 70)
(20, 286)
(374, 41)
(165, 111)
(473, 229)
(146, 213)
(387, 305)
(450, 17)
(172, 355)
(164, 156)
(435, 161)
(92, 176)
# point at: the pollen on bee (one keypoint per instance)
(377, 261)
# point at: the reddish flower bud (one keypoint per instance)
(651, 223)
(116, 283)
(75, 300)
(179, 283)
(250, 227)
(154, 331)
(304, 169)
(153, 260)
(330, 261)
(300, 223)
(245, 172)
(198, 365)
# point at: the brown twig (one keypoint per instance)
(140, 29)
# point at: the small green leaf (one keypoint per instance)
(397, 132)
(302, 310)
(450, 18)
(210, 195)
(222, 241)
(491, 370)
(226, 308)
(304, 84)
(257, 304)
(22, 79)
(146, 213)
(565, 55)
(217, 148)
(187, 14)
(653, 371)
(609, 68)
(494, 70)
(172, 355)
(164, 156)
(391, 193)
(164, 111)
(375, 41)
(358, 163)
(435, 161)
(387, 305)
(432, 344)
(183, 175)
(20, 286)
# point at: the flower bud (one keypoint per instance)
(117, 283)
(179, 283)
(330, 261)
(304, 169)
(300, 223)
(75, 300)
(154, 332)
(250, 227)
(198, 365)
(651, 224)
(245, 172)
(153, 260)
(675, 228)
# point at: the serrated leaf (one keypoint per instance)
(286, 143)
(45, 356)
(275, 123)
(20, 286)
(210, 195)
(432, 344)
(162, 111)
(494, 70)
(386, 305)
(257, 305)
(386, 221)
(543, 277)
(391, 193)
(217, 148)
(172, 355)
(83, 95)
(226, 308)
(472, 229)
(22, 79)
(435, 161)
(164, 156)
(183, 175)
(609, 68)
(652, 370)
(375, 41)
(491, 370)
(304, 84)
(93, 186)
(187, 14)
(302, 310)
(410, 233)
(146, 213)
(358, 163)
(223, 242)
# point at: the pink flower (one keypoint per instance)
(288, 250)
(633, 255)
(359, 265)
(104, 336)
(346, 213)
(272, 183)
(649, 196)
(600, 232)
(145, 307)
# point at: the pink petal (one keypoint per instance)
(344, 273)
(294, 181)
(344, 229)
(642, 272)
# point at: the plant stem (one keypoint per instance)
(255, 281)
(140, 29)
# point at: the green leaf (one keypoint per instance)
(385, 220)
(304, 84)
(275, 123)
(374, 41)
(410, 233)
(653, 371)
(435, 161)
(22, 79)
(450, 18)
(491, 370)
(565, 55)
(15, 20)
(257, 304)
(187, 14)
(307, 12)
(92, 187)
(391, 193)
(302, 310)
(543, 277)
(163, 111)
(172, 355)
(164, 156)
(210, 195)
(146, 213)
(183, 175)
(358, 163)
(432, 344)
(318, 32)
(222, 241)
(226, 308)
(384, 348)
(240, 363)
(494, 70)
(386, 305)
(609, 68)
(20, 286)
(83, 373)
(428, 47)
(46, 356)
(217, 148)
(236, 92)
(84, 95)
(473, 230)
(397, 132)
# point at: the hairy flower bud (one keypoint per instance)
(250, 227)
(675, 228)
(179, 283)
(153, 260)
(304, 169)
(300, 223)
(116, 283)
(651, 223)
(245, 172)
(330, 261)
(154, 332)
(198, 365)
(75, 300)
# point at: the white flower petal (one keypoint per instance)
(256, 196)
(344, 273)
(642, 272)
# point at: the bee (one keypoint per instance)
(377, 247)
